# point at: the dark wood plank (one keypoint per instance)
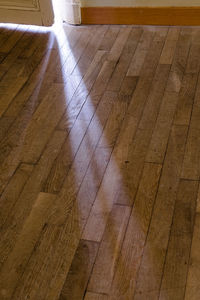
(13, 190)
(191, 167)
(23, 205)
(79, 272)
(192, 285)
(178, 252)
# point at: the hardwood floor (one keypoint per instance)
(99, 163)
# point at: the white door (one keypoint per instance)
(37, 12)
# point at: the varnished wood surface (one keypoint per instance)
(169, 15)
(99, 163)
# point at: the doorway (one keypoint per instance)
(68, 10)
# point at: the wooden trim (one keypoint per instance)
(141, 15)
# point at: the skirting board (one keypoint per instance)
(188, 16)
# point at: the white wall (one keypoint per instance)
(145, 3)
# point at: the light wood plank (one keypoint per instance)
(124, 61)
(90, 51)
(109, 250)
(119, 44)
(45, 275)
(167, 55)
(150, 271)
(81, 94)
(180, 60)
(140, 53)
(124, 282)
(159, 140)
(186, 100)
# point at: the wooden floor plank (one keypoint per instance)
(7, 46)
(109, 250)
(80, 143)
(90, 51)
(23, 205)
(13, 190)
(43, 123)
(24, 246)
(23, 97)
(93, 296)
(84, 155)
(109, 38)
(178, 253)
(140, 143)
(180, 60)
(118, 46)
(158, 145)
(6, 33)
(191, 167)
(124, 61)
(72, 60)
(124, 282)
(192, 285)
(82, 92)
(151, 268)
(18, 75)
(186, 100)
(44, 276)
(141, 52)
(21, 110)
(80, 270)
(167, 55)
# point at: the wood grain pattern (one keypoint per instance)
(99, 163)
